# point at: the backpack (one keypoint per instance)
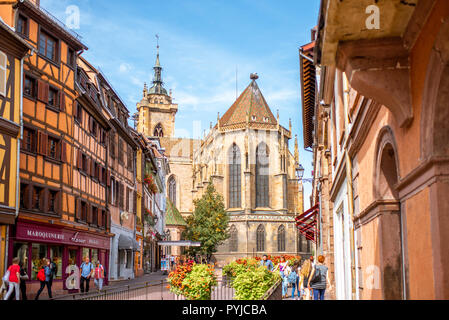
(41, 275)
(316, 276)
(292, 277)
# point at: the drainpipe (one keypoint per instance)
(349, 185)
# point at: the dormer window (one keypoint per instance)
(265, 119)
(253, 118)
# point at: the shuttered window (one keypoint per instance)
(3, 61)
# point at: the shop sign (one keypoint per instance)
(31, 232)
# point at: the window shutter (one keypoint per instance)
(61, 100)
(28, 197)
(63, 151)
(127, 199)
(42, 137)
(100, 218)
(79, 160)
(108, 220)
(108, 178)
(121, 196)
(89, 213)
(42, 91)
(78, 209)
(75, 109)
(89, 161)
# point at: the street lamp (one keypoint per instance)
(300, 173)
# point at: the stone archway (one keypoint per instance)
(386, 178)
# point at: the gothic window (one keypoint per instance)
(172, 189)
(158, 131)
(235, 180)
(262, 171)
(260, 238)
(233, 240)
(281, 238)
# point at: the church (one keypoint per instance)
(246, 156)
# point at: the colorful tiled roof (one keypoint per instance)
(251, 102)
(173, 217)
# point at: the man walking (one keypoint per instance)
(86, 272)
(266, 263)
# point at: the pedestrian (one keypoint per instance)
(283, 268)
(292, 279)
(53, 269)
(23, 278)
(318, 279)
(13, 276)
(265, 262)
(86, 270)
(298, 278)
(44, 277)
(99, 276)
(305, 273)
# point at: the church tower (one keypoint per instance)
(156, 111)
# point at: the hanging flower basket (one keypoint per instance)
(151, 184)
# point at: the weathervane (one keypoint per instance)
(157, 39)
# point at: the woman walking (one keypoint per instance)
(318, 283)
(99, 276)
(284, 270)
(23, 278)
(44, 276)
(305, 273)
(14, 276)
(293, 279)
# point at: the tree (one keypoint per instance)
(209, 223)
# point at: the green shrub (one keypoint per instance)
(253, 283)
(198, 283)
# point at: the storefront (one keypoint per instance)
(32, 242)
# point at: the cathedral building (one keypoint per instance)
(246, 156)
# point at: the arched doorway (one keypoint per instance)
(390, 226)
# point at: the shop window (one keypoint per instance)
(128, 256)
(72, 257)
(94, 256)
(56, 257)
(86, 253)
(38, 253)
(20, 250)
(29, 87)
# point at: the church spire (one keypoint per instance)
(158, 84)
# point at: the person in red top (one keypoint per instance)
(14, 282)
(99, 276)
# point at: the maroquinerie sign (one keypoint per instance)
(31, 232)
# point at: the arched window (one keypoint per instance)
(281, 238)
(260, 238)
(172, 189)
(262, 175)
(158, 132)
(235, 179)
(233, 240)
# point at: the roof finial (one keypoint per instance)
(254, 76)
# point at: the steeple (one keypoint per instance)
(158, 84)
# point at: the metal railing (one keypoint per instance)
(151, 291)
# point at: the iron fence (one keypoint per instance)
(151, 291)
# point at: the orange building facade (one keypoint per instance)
(380, 129)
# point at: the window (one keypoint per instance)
(79, 113)
(52, 199)
(83, 211)
(158, 132)
(112, 145)
(281, 238)
(262, 171)
(56, 257)
(29, 140)
(103, 219)
(120, 151)
(52, 151)
(71, 58)
(38, 253)
(37, 198)
(22, 25)
(53, 98)
(85, 163)
(29, 88)
(235, 179)
(95, 216)
(260, 238)
(48, 46)
(3, 61)
(93, 127)
(23, 200)
(128, 258)
(112, 191)
(172, 190)
(233, 239)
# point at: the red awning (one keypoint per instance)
(307, 223)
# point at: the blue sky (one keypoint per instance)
(202, 42)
